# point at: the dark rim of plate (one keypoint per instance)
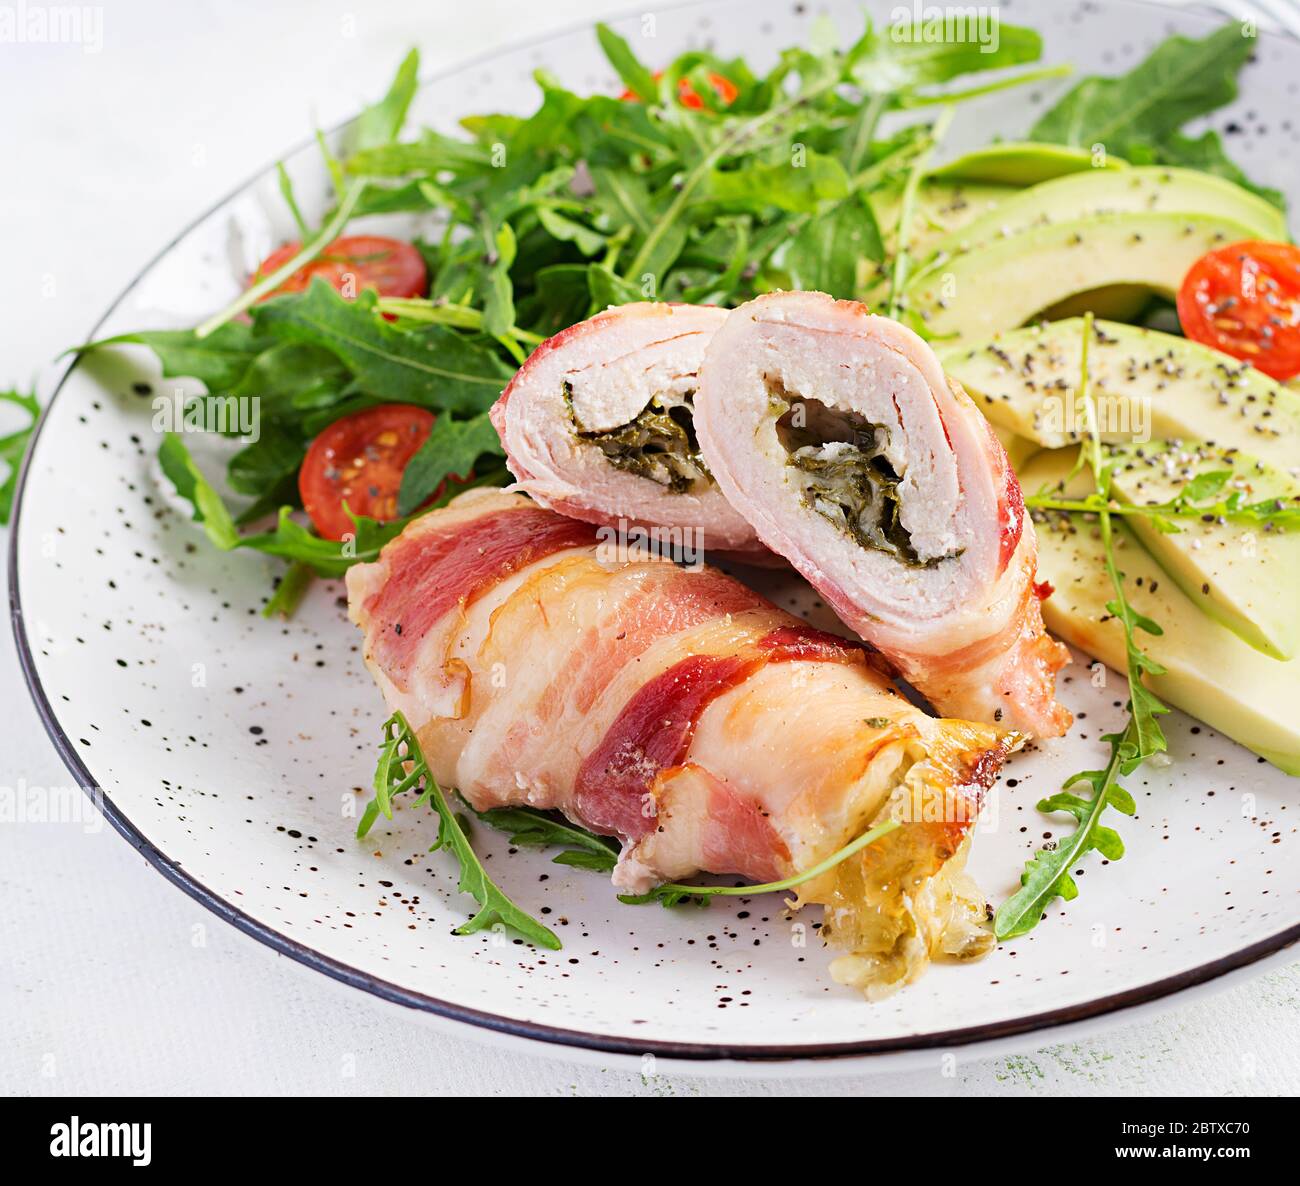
(386, 990)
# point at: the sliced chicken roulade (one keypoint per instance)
(840, 439)
(681, 712)
(598, 424)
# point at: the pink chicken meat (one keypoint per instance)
(598, 424)
(837, 435)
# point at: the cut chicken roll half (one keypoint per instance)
(676, 709)
(599, 425)
(840, 439)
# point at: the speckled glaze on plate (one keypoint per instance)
(233, 751)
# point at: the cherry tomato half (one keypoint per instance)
(688, 96)
(359, 460)
(723, 87)
(393, 268)
(1244, 299)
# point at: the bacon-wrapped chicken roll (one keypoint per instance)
(598, 424)
(838, 436)
(679, 711)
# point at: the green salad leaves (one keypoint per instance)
(13, 445)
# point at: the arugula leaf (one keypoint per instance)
(608, 289)
(289, 592)
(444, 312)
(897, 59)
(624, 196)
(1138, 116)
(401, 768)
(266, 463)
(824, 254)
(568, 230)
(635, 76)
(906, 214)
(434, 367)
(219, 361)
(1197, 499)
(206, 504)
(797, 189)
(1181, 79)
(286, 192)
(433, 153)
(381, 122)
(498, 297)
(1047, 874)
(290, 540)
(539, 829)
(289, 377)
(452, 449)
(12, 447)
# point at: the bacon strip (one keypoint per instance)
(681, 712)
(433, 571)
(795, 381)
(654, 729)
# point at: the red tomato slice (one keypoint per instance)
(359, 460)
(393, 268)
(1244, 299)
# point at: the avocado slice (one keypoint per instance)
(1211, 673)
(942, 207)
(1023, 162)
(1005, 283)
(1241, 574)
(1111, 191)
(1146, 385)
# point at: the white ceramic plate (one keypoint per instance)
(231, 750)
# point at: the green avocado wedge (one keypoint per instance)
(1146, 385)
(1023, 162)
(1004, 284)
(1210, 672)
(1243, 575)
(942, 208)
(1112, 191)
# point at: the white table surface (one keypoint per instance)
(105, 986)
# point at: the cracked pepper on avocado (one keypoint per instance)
(1036, 395)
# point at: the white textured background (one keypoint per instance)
(112, 981)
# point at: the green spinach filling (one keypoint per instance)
(837, 461)
(658, 443)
